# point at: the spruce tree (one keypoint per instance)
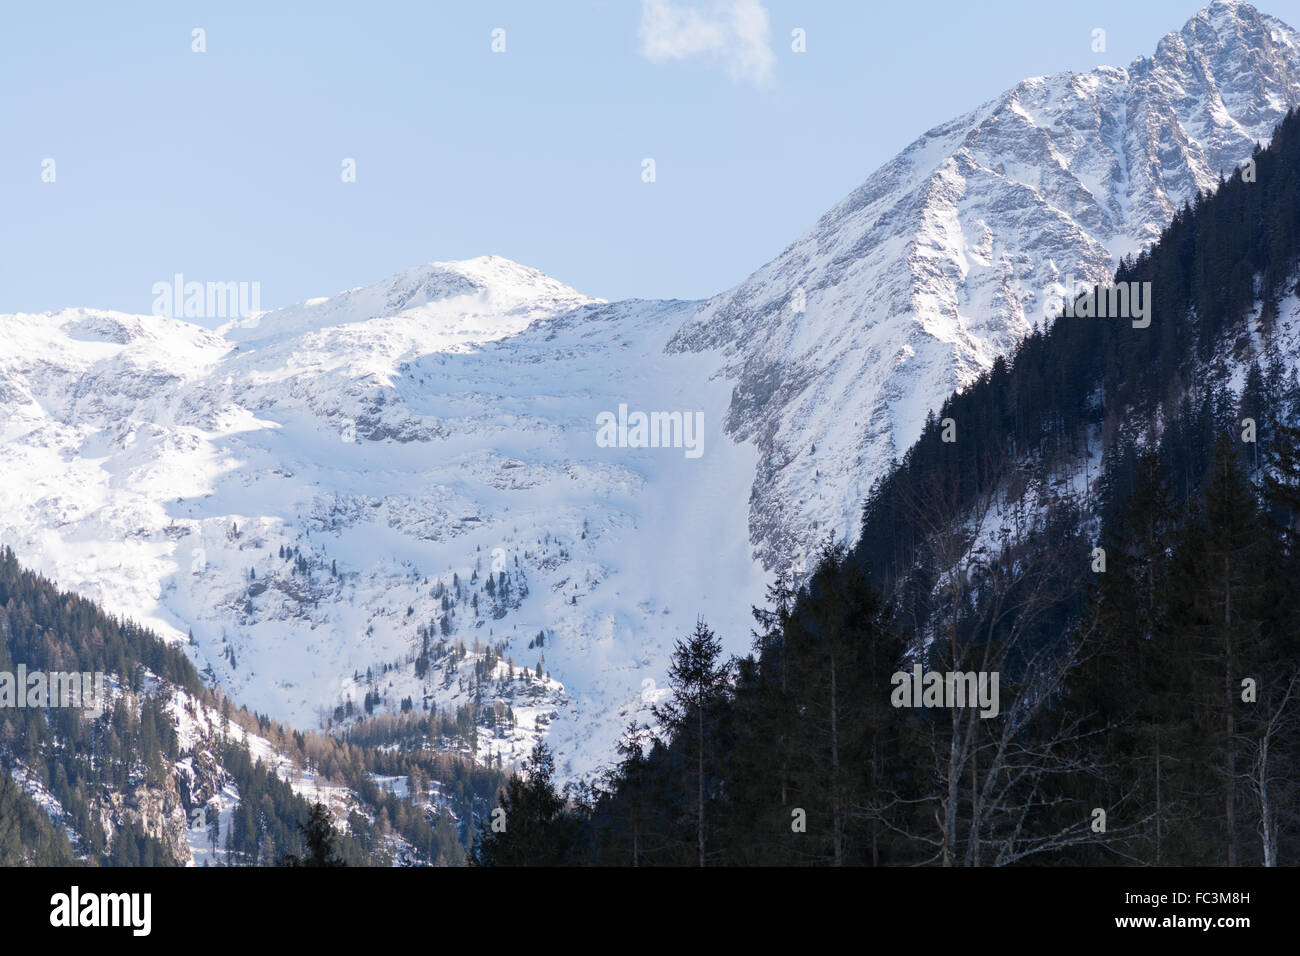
(698, 681)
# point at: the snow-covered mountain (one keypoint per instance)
(942, 259)
(322, 493)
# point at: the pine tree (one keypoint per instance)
(1218, 591)
(528, 827)
(320, 835)
(1131, 685)
(698, 687)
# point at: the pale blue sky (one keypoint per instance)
(225, 165)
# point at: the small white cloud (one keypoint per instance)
(736, 32)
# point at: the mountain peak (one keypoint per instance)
(486, 271)
(1229, 25)
(948, 254)
(460, 292)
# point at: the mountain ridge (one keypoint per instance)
(952, 251)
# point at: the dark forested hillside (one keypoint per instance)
(118, 787)
(1105, 527)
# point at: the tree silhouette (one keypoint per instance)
(320, 835)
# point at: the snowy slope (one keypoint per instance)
(408, 440)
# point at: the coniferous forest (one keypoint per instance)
(1109, 520)
(113, 776)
